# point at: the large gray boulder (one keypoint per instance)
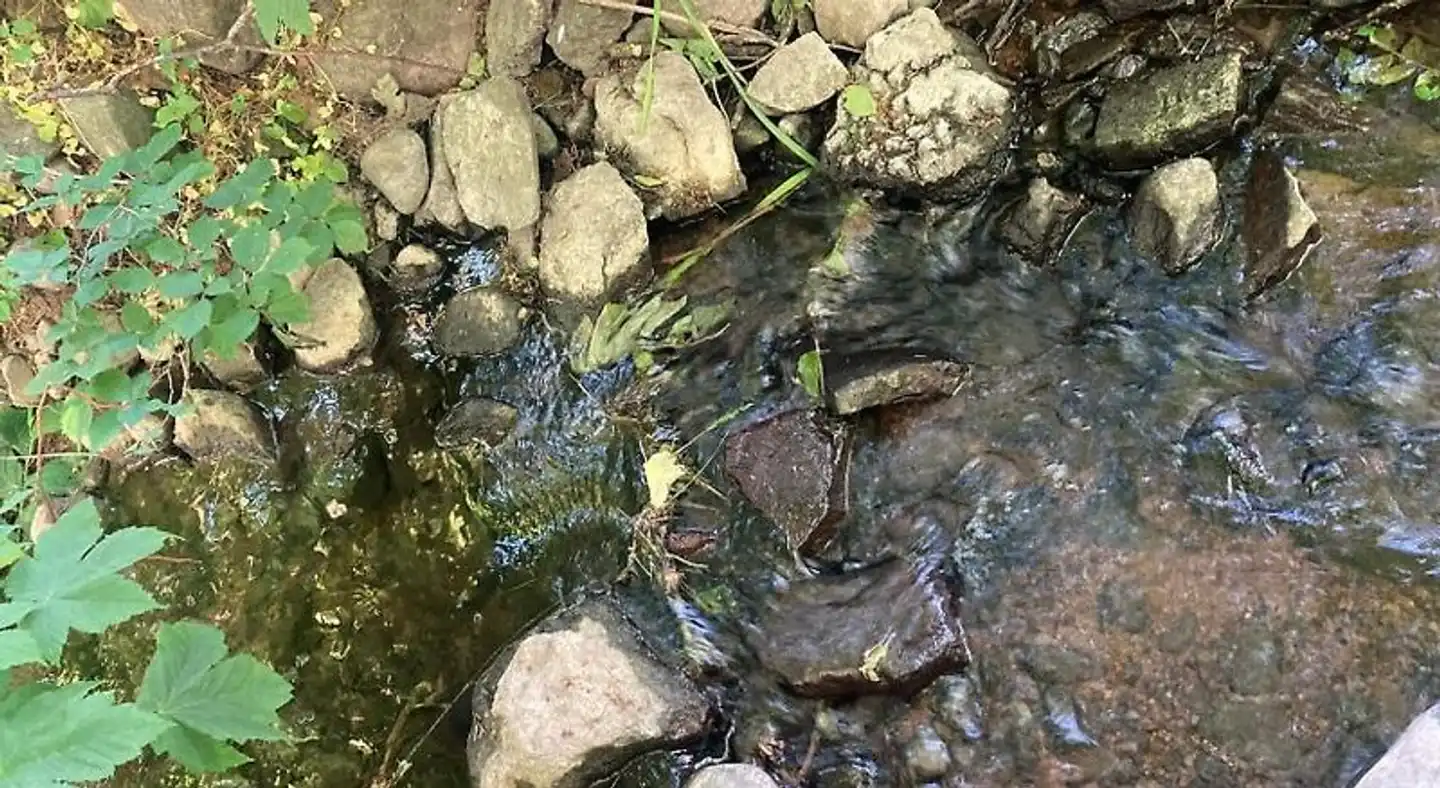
(109, 124)
(1175, 111)
(593, 239)
(197, 22)
(341, 329)
(853, 22)
(1176, 214)
(395, 163)
(489, 142)
(477, 322)
(514, 34)
(799, 76)
(684, 145)
(575, 699)
(941, 127)
(1413, 761)
(582, 35)
(424, 44)
(222, 425)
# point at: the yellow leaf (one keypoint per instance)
(662, 471)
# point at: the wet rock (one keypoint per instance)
(16, 372)
(197, 22)
(787, 468)
(927, 755)
(1278, 228)
(222, 425)
(731, 775)
(19, 138)
(395, 163)
(1175, 111)
(574, 699)
(1038, 223)
(547, 145)
(477, 322)
(1121, 606)
(1176, 214)
(891, 384)
(582, 35)
(1181, 634)
(1413, 761)
(415, 269)
(1248, 730)
(744, 13)
(891, 627)
(1120, 10)
(442, 201)
(800, 75)
(1062, 718)
(685, 144)
(956, 703)
(514, 33)
(424, 44)
(342, 328)
(490, 144)
(476, 421)
(593, 239)
(1052, 664)
(941, 128)
(853, 22)
(1252, 661)
(109, 125)
(242, 371)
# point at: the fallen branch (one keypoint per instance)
(1389, 7)
(745, 33)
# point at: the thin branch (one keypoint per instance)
(745, 33)
(1389, 7)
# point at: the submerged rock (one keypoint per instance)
(927, 755)
(109, 124)
(593, 238)
(892, 627)
(940, 126)
(424, 44)
(490, 144)
(1038, 223)
(342, 327)
(1413, 761)
(684, 145)
(896, 383)
(514, 34)
(582, 35)
(1279, 229)
(800, 75)
(477, 420)
(222, 425)
(1175, 111)
(792, 469)
(731, 775)
(853, 22)
(1176, 215)
(395, 163)
(574, 699)
(477, 322)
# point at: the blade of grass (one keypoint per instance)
(768, 203)
(648, 99)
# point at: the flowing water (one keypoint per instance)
(1196, 535)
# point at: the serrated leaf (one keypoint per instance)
(225, 336)
(290, 256)
(191, 320)
(165, 250)
(811, 371)
(243, 187)
(315, 199)
(132, 280)
(136, 319)
(250, 246)
(350, 236)
(197, 752)
(191, 682)
(662, 471)
(75, 418)
(176, 108)
(180, 284)
(272, 15)
(858, 101)
(57, 736)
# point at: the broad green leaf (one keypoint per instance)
(858, 101)
(192, 682)
(35, 265)
(112, 385)
(290, 256)
(94, 13)
(136, 319)
(287, 307)
(205, 231)
(17, 647)
(144, 158)
(315, 199)
(811, 372)
(350, 236)
(250, 246)
(165, 250)
(180, 284)
(61, 475)
(662, 471)
(16, 429)
(105, 429)
(197, 752)
(57, 736)
(176, 108)
(272, 15)
(243, 187)
(75, 418)
(191, 320)
(132, 280)
(226, 336)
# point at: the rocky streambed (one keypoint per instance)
(1113, 464)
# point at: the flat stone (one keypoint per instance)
(1413, 761)
(490, 145)
(477, 322)
(892, 627)
(395, 163)
(895, 383)
(197, 22)
(731, 775)
(582, 35)
(800, 75)
(424, 44)
(574, 700)
(342, 328)
(593, 238)
(110, 124)
(684, 145)
(853, 22)
(791, 468)
(1176, 214)
(476, 421)
(222, 425)
(1175, 111)
(1279, 229)
(514, 34)
(442, 201)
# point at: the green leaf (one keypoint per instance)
(289, 257)
(243, 187)
(227, 335)
(250, 246)
(197, 752)
(180, 284)
(165, 250)
(75, 418)
(811, 372)
(192, 682)
(315, 199)
(350, 236)
(94, 13)
(136, 319)
(178, 107)
(132, 280)
(191, 320)
(272, 15)
(858, 101)
(58, 736)
(17, 647)
(112, 385)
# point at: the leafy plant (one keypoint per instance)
(858, 101)
(810, 371)
(273, 16)
(1386, 57)
(640, 330)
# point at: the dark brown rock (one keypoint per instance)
(897, 382)
(792, 469)
(892, 627)
(1279, 228)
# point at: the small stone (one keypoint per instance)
(1121, 10)
(415, 269)
(593, 238)
(731, 775)
(342, 327)
(490, 144)
(476, 421)
(395, 162)
(1175, 111)
(109, 124)
(1279, 229)
(242, 371)
(514, 33)
(222, 425)
(1040, 220)
(546, 143)
(442, 202)
(1252, 661)
(16, 372)
(891, 384)
(574, 700)
(1413, 760)
(582, 35)
(956, 701)
(927, 755)
(786, 467)
(1176, 215)
(1052, 664)
(684, 144)
(387, 221)
(1122, 606)
(800, 75)
(477, 322)
(853, 22)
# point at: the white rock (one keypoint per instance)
(395, 163)
(800, 75)
(1176, 215)
(593, 236)
(1414, 760)
(731, 775)
(490, 144)
(341, 329)
(852, 22)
